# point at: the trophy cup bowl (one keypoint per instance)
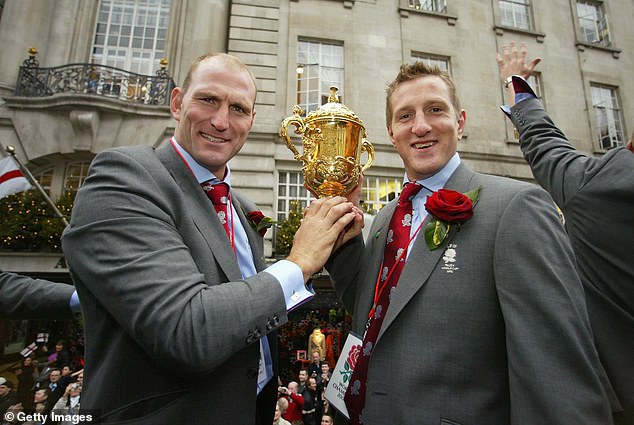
(333, 139)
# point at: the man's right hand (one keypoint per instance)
(323, 223)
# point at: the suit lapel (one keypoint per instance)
(201, 210)
(421, 261)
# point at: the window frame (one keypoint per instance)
(613, 115)
(431, 59)
(113, 47)
(312, 68)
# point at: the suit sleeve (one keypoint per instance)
(556, 164)
(125, 246)
(554, 370)
(22, 297)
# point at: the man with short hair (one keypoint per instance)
(168, 261)
(465, 292)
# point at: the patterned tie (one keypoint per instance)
(219, 195)
(398, 237)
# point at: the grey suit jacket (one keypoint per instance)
(22, 297)
(172, 329)
(596, 196)
(491, 328)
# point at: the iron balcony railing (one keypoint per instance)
(91, 79)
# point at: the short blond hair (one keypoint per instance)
(409, 72)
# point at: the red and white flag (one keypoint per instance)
(11, 178)
(28, 350)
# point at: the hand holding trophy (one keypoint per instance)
(333, 140)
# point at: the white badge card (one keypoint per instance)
(342, 375)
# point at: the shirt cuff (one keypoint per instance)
(75, 307)
(523, 91)
(291, 280)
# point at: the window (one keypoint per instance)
(440, 61)
(45, 179)
(593, 23)
(439, 6)
(130, 34)
(515, 13)
(607, 113)
(378, 191)
(76, 173)
(319, 66)
(290, 189)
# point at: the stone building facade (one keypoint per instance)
(297, 49)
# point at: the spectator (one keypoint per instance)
(69, 403)
(314, 369)
(311, 400)
(293, 412)
(326, 420)
(303, 376)
(324, 375)
(59, 357)
(7, 396)
(26, 383)
(277, 417)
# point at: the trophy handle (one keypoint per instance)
(300, 127)
(367, 146)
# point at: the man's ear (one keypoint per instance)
(176, 101)
(462, 119)
(391, 134)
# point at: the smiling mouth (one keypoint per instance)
(425, 145)
(212, 138)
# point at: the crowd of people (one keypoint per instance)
(471, 300)
(47, 381)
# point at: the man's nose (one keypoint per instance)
(421, 125)
(220, 118)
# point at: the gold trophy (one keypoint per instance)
(333, 139)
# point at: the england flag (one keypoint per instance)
(11, 178)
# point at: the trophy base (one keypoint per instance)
(331, 189)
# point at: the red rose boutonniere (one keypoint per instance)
(446, 208)
(259, 222)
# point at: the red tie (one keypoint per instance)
(219, 195)
(398, 238)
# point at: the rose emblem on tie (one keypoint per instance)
(447, 208)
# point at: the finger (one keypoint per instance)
(534, 63)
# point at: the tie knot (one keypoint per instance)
(217, 192)
(409, 191)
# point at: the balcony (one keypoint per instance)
(96, 80)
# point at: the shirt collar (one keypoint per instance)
(201, 173)
(439, 180)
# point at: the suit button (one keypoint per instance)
(252, 372)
